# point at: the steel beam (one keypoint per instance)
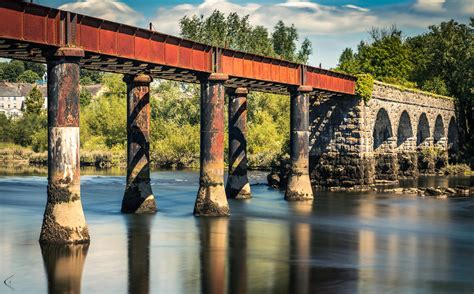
(138, 196)
(299, 184)
(238, 186)
(64, 220)
(211, 199)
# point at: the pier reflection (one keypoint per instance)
(138, 233)
(64, 265)
(213, 254)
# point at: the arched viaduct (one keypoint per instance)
(398, 132)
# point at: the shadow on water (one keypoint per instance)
(64, 265)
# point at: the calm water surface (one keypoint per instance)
(340, 243)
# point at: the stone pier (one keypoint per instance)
(238, 186)
(299, 184)
(138, 196)
(211, 199)
(64, 221)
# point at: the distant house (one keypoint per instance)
(13, 96)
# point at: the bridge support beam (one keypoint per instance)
(299, 184)
(64, 221)
(238, 186)
(211, 199)
(138, 196)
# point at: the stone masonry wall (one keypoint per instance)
(398, 133)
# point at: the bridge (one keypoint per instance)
(68, 41)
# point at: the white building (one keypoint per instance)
(13, 95)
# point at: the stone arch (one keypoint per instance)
(382, 128)
(423, 129)
(438, 132)
(453, 137)
(405, 130)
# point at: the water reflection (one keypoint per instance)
(63, 265)
(138, 234)
(213, 236)
(238, 270)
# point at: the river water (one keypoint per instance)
(340, 243)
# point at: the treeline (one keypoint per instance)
(17, 71)
(439, 61)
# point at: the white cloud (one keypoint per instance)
(356, 7)
(429, 5)
(107, 9)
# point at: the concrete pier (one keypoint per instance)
(64, 220)
(211, 198)
(238, 186)
(299, 184)
(138, 196)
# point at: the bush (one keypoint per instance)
(364, 86)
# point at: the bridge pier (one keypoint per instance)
(63, 221)
(426, 156)
(238, 186)
(138, 196)
(407, 158)
(386, 160)
(299, 184)
(211, 198)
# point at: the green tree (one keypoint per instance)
(11, 70)
(305, 51)
(90, 77)
(38, 68)
(284, 40)
(85, 97)
(34, 102)
(28, 76)
(4, 128)
(348, 62)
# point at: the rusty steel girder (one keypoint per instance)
(27, 30)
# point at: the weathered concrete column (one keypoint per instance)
(64, 220)
(299, 184)
(138, 197)
(238, 186)
(211, 199)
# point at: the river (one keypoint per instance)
(340, 243)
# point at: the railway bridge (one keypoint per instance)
(67, 41)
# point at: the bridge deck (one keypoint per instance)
(28, 30)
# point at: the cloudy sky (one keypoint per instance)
(331, 25)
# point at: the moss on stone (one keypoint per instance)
(364, 86)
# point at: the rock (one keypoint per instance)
(450, 191)
(273, 180)
(433, 191)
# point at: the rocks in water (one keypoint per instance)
(437, 192)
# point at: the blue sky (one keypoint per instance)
(331, 25)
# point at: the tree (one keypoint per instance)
(28, 76)
(284, 39)
(34, 102)
(38, 68)
(90, 77)
(235, 32)
(348, 62)
(85, 97)
(11, 70)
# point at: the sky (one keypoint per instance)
(331, 25)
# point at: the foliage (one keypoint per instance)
(90, 77)
(21, 71)
(11, 70)
(235, 32)
(38, 68)
(364, 86)
(34, 102)
(85, 97)
(348, 62)
(435, 85)
(28, 76)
